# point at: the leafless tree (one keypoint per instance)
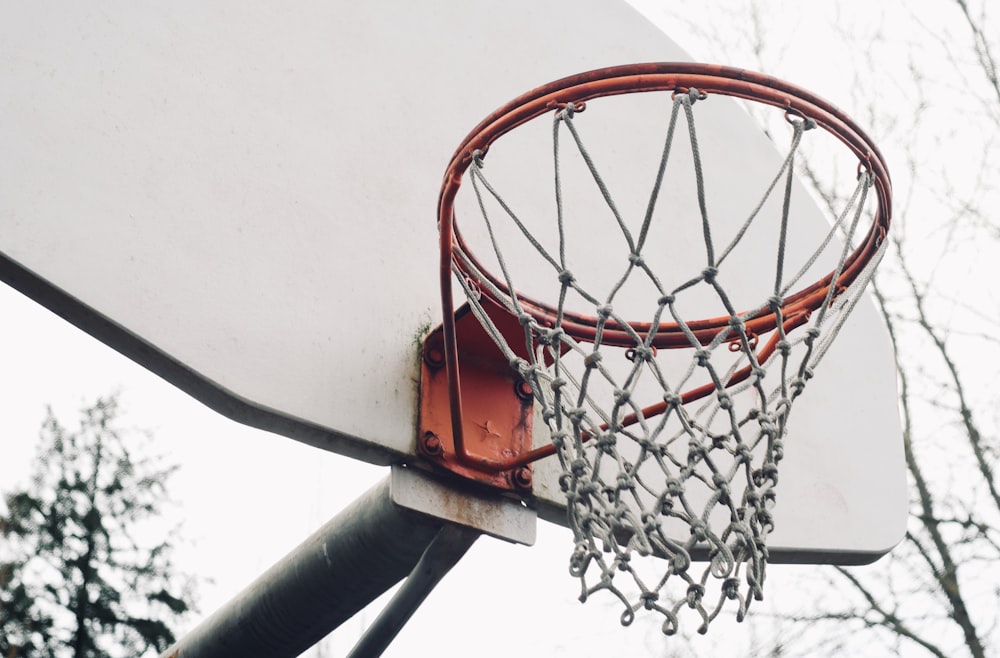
(923, 78)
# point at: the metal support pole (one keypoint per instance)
(350, 561)
(451, 543)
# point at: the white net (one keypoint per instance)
(669, 432)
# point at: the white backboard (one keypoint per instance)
(241, 197)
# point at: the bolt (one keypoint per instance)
(434, 356)
(522, 389)
(431, 445)
(521, 477)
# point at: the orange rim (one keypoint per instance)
(637, 78)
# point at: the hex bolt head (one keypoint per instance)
(431, 444)
(521, 477)
(434, 356)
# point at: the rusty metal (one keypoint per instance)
(522, 389)
(430, 445)
(496, 404)
(522, 478)
(577, 89)
(434, 356)
(442, 497)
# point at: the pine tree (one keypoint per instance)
(82, 573)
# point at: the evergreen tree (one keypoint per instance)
(82, 573)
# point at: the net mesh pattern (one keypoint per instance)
(670, 500)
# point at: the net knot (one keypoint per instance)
(768, 472)
(725, 401)
(709, 274)
(695, 592)
(696, 452)
(578, 467)
(520, 366)
(672, 399)
(731, 588)
(636, 260)
(768, 425)
(477, 158)
(699, 530)
(606, 442)
(664, 506)
(649, 600)
(578, 560)
(784, 348)
(559, 439)
(765, 519)
(688, 95)
(530, 372)
(666, 300)
(621, 397)
(557, 384)
(774, 303)
(566, 277)
(702, 357)
(640, 353)
(625, 482)
(572, 108)
(743, 454)
(650, 524)
(550, 336)
(525, 319)
(576, 415)
(674, 487)
(604, 312)
(592, 359)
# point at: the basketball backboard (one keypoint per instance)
(241, 197)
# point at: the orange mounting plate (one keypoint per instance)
(497, 405)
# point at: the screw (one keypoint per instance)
(522, 389)
(434, 356)
(521, 477)
(431, 445)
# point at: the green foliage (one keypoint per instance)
(84, 571)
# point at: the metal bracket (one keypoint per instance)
(497, 405)
(491, 513)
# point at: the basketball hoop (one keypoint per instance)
(631, 467)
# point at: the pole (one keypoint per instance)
(451, 543)
(346, 564)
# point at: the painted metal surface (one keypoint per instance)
(242, 199)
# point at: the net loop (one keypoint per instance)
(640, 353)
